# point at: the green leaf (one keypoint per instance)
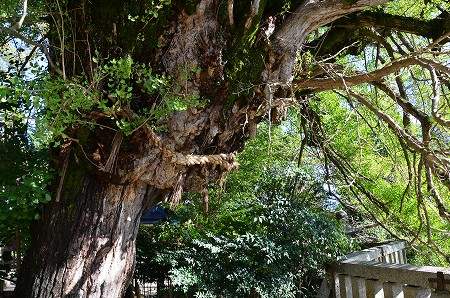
(48, 198)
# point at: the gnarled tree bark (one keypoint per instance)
(83, 246)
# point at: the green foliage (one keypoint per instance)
(24, 178)
(286, 247)
(384, 189)
(23, 171)
(268, 233)
(60, 104)
(416, 9)
(152, 12)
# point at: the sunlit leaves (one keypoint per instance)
(58, 105)
(19, 202)
(416, 9)
(24, 178)
(390, 180)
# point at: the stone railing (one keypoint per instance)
(382, 271)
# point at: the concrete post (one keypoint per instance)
(358, 287)
(374, 288)
(415, 292)
(392, 290)
(345, 287)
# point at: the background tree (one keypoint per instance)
(143, 100)
(24, 171)
(396, 116)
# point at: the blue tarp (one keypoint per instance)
(155, 215)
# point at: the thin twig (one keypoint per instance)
(63, 175)
(18, 25)
(32, 42)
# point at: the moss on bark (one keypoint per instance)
(245, 57)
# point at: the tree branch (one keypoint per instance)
(314, 14)
(354, 27)
(18, 25)
(406, 105)
(435, 100)
(322, 84)
(44, 50)
(290, 37)
(443, 212)
(412, 142)
(426, 28)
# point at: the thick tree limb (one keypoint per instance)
(322, 84)
(426, 28)
(314, 14)
(290, 37)
(349, 33)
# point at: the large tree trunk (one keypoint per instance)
(87, 248)
(83, 246)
